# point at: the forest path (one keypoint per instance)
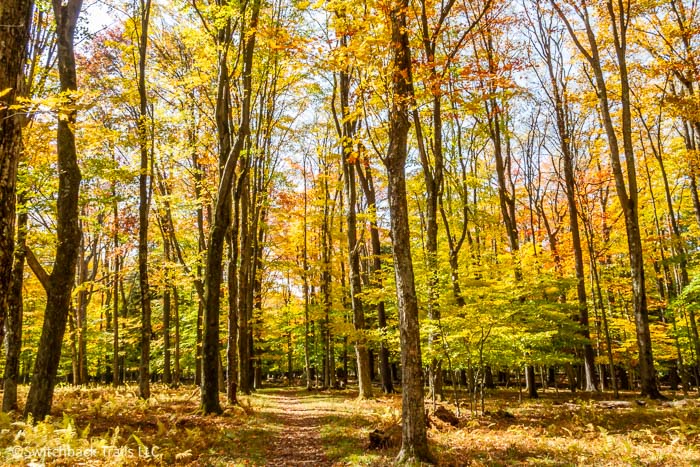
(297, 422)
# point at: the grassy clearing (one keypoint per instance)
(103, 426)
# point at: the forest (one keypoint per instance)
(350, 232)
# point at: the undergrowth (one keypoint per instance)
(113, 427)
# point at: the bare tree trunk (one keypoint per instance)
(232, 323)
(15, 23)
(201, 248)
(115, 293)
(176, 317)
(167, 309)
(305, 265)
(244, 284)
(144, 205)
(62, 276)
(14, 318)
(414, 441)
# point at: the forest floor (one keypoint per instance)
(291, 426)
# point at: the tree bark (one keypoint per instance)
(347, 135)
(15, 23)
(62, 276)
(167, 305)
(305, 289)
(414, 441)
(116, 380)
(14, 319)
(144, 206)
(219, 228)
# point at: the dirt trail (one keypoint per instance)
(299, 440)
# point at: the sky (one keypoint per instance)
(96, 16)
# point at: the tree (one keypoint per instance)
(144, 200)
(62, 277)
(15, 18)
(548, 45)
(431, 149)
(346, 127)
(218, 229)
(414, 441)
(618, 16)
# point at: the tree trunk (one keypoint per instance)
(626, 189)
(220, 224)
(62, 278)
(347, 135)
(116, 380)
(232, 323)
(305, 291)
(244, 283)
(414, 441)
(530, 381)
(367, 183)
(144, 206)
(176, 317)
(201, 248)
(14, 319)
(167, 305)
(15, 22)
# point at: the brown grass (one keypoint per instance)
(103, 426)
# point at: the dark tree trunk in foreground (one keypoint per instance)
(14, 319)
(144, 208)
(414, 440)
(62, 278)
(217, 235)
(15, 21)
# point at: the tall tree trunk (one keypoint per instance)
(551, 53)
(14, 318)
(325, 285)
(176, 317)
(305, 289)
(144, 205)
(347, 135)
(414, 441)
(62, 278)
(232, 322)
(219, 228)
(85, 292)
(367, 183)
(15, 23)
(78, 337)
(115, 293)
(167, 305)
(244, 284)
(201, 248)
(627, 193)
